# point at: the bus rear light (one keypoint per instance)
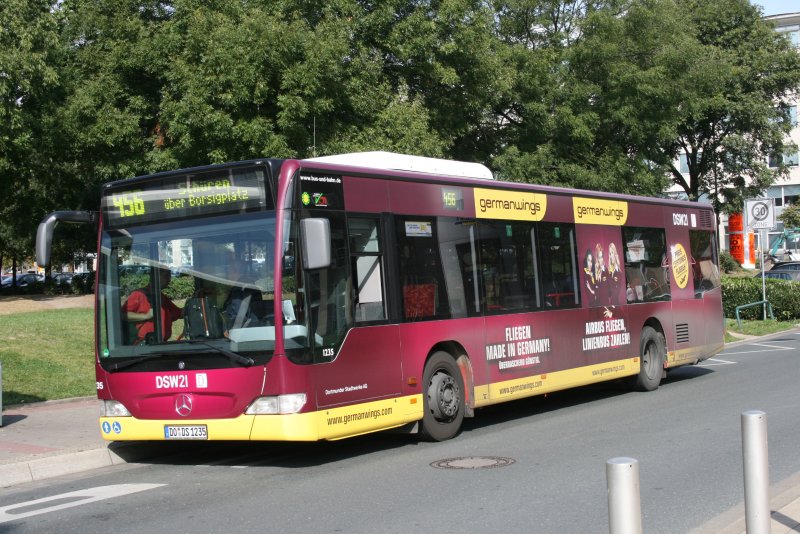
(112, 408)
(282, 404)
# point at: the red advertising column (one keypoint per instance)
(736, 236)
(751, 249)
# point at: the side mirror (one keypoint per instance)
(316, 237)
(44, 233)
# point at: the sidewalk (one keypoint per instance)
(49, 439)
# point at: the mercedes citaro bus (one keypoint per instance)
(331, 297)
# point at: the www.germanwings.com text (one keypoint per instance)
(359, 416)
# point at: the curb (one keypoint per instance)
(53, 466)
(68, 463)
(767, 337)
(784, 494)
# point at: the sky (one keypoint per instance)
(778, 7)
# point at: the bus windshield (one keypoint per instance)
(197, 285)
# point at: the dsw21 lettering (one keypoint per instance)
(172, 381)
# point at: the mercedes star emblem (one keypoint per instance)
(183, 405)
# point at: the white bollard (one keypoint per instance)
(624, 505)
(756, 472)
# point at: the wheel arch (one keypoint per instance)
(655, 324)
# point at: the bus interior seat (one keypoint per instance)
(419, 300)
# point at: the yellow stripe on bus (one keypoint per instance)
(334, 423)
(684, 356)
(546, 383)
(132, 429)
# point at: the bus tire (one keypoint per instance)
(443, 398)
(653, 354)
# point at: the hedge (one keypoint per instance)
(782, 294)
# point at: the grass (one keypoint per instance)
(47, 355)
(754, 328)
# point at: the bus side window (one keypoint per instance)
(704, 263)
(367, 268)
(556, 255)
(422, 281)
(646, 264)
(507, 267)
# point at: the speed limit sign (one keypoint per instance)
(760, 213)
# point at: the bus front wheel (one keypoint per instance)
(443, 398)
(653, 355)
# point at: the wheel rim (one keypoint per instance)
(443, 397)
(649, 360)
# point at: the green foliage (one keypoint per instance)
(726, 262)
(181, 287)
(781, 294)
(790, 216)
(598, 94)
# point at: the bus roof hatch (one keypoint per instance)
(405, 162)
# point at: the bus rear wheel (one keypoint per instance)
(653, 355)
(443, 401)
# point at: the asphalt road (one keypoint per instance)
(686, 437)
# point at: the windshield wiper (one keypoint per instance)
(130, 363)
(234, 357)
(238, 358)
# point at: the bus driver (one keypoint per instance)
(138, 310)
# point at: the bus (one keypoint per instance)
(325, 298)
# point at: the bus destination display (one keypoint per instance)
(188, 195)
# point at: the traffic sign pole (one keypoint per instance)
(760, 215)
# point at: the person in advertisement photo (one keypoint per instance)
(602, 271)
(590, 282)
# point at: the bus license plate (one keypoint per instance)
(185, 432)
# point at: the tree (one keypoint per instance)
(29, 88)
(566, 121)
(790, 216)
(734, 116)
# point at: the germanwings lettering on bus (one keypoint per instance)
(509, 205)
(596, 211)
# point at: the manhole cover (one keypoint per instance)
(473, 462)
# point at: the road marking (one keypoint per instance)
(776, 349)
(69, 500)
(719, 362)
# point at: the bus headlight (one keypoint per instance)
(112, 408)
(282, 404)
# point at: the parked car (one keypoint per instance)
(23, 280)
(781, 274)
(786, 266)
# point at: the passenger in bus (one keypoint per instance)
(138, 311)
(239, 308)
